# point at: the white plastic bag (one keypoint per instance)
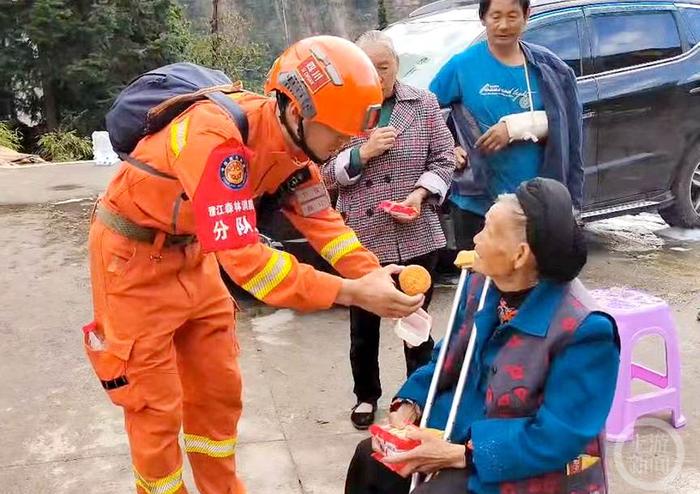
(415, 328)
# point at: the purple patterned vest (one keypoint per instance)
(516, 389)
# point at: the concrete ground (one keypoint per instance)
(62, 436)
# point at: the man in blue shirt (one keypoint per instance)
(493, 80)
(542, 378)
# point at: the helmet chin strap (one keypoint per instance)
(297, 137)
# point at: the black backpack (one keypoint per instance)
(154, 99)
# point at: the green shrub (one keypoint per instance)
(9, 137)
(65, 145)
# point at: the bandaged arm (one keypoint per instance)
(531, 125)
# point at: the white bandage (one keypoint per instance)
(530, 125)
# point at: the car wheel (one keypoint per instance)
(685, 210)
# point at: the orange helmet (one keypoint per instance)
(331, 81)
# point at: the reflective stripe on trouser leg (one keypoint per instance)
(210, 447)
(166, 485)
(211, 382)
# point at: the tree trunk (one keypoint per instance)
(283, 4)
(381, 15)
(214, 17)
(215, 40)
(50, 111)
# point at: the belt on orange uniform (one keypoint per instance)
(127, 228)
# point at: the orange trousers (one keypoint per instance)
(170, 359)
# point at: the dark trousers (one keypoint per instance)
(466, 226)
(364, 343)
(368, 476)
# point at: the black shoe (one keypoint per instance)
(362, 420)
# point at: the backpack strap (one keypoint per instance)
(233, 110)
(145, 167)
(168, 110)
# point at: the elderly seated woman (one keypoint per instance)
(542, 379)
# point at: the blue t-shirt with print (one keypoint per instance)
(490, 90)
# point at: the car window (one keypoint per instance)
(623, 39)
(560, 37)
(692, 16)
(424, 47)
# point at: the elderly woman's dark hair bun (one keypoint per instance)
(553, 233)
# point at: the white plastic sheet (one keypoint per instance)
(102, 151)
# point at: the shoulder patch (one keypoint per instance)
(234, 171)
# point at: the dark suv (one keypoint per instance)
(638, 69)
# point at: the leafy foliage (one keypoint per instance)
(63, 145)
(9, 137)
(63, 61)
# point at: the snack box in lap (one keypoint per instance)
(393, 441)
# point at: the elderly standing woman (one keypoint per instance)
(408, 158)
(542, 379)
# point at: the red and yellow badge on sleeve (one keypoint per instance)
(223, 202)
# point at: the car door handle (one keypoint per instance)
(695, 90)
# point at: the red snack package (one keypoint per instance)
(398, 210)
(391, 441)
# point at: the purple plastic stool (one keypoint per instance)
(638, 315)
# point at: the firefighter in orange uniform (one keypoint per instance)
(185, 200)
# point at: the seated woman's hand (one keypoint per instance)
(434, 454)
(406, 414)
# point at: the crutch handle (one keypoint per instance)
(465, 259)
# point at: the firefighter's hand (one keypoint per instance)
(376, 292)
(461, 158)
(380, 140)
(433, 454)
(494, 140)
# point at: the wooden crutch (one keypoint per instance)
(464, 261)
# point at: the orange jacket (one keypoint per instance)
(204, 183)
